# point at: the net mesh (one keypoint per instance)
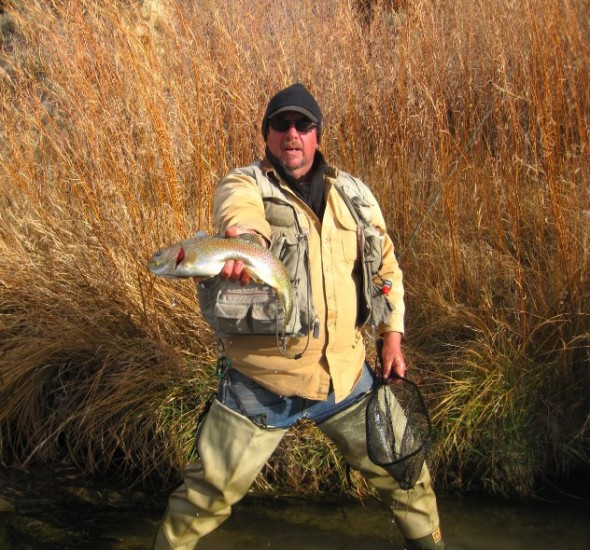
(398, 430)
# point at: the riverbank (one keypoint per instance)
(57, 507)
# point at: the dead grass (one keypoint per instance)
(468, 118)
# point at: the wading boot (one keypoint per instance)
(430, 542)
(415, 510)
(232, 451)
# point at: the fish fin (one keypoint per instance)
(200, 234)
(253, 277)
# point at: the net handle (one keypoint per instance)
(382, 381)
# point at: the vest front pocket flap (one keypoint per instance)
(248, 294)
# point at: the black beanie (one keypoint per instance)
(293, 98)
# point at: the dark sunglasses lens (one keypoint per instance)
(279, 124)
(304, 125)
(282, 125)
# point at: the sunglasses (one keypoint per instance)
(303, 125)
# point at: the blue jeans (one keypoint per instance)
(269, 410)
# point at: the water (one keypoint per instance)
(83, 517)
(468, 524)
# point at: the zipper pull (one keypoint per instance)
(303, 234)
(316, 328)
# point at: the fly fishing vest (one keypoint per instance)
(255, 308)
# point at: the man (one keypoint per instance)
(297, 205)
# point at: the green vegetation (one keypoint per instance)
(118, 117)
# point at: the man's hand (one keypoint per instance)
(233, 270)
(392, 357)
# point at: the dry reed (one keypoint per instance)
(469, 119)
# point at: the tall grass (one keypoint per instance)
(469, 120)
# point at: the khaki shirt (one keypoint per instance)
(336, 356)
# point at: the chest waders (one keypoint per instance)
(415, 510)
(232, 452)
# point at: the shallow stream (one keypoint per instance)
(39, 514)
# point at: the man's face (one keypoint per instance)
(295, 148)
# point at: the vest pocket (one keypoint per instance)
(245, 310)
(231, 309)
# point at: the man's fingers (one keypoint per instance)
(236, 274)
(227, 270)
(245, 278)
(233, 270)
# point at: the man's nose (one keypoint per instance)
(292, 131)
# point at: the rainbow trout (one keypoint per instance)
(204, 256)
